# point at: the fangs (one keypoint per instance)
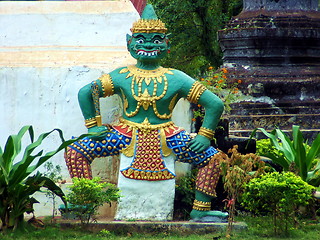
(144, 53)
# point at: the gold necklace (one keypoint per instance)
(140, 76)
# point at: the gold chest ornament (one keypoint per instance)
(143, 98)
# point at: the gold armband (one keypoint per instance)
(92, 122)
(107, 85)
(201, 206)
(195, 92)
(206, 132)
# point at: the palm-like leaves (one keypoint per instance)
(295, 152)
(16, 184)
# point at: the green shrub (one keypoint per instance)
(279, 194)
(295, 155)
(265, 147)
(87, 195)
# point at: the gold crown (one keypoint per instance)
(148, 26)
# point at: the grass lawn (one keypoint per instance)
(258, 228)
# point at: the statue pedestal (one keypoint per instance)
(145, 200)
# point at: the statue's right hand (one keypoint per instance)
(101, 132)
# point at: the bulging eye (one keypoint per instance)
(157, 41)
(140, 41)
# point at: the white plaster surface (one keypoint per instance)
(45, 98)
(145, 200)
(182, 116)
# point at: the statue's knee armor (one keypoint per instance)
(179, 145)
(207, 161)
(208, 176)
(80, 154)
(77, 164)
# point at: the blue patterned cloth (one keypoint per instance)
(115, 141)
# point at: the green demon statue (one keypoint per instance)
(146, 132)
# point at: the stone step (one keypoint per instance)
(256, 111)
(284, 121)
(280, 104)
(276, 110)
(181, 227)
(246, 108)
(309, 134)
(298, 103)
(269, 122)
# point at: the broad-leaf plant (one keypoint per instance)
(17, 185)
(296, 155)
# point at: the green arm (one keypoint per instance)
(87, 105)
(86, 102)
(213, 106)
(213, 109)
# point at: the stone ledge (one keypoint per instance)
(185, 227)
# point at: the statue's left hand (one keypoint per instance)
(101, 132)
(199, 144)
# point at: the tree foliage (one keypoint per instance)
(193, 25)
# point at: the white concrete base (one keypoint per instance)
(145, 200)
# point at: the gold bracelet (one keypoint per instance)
(195, 92)
(91, 122)
(201, 206)
(206, 132)
(99, 120)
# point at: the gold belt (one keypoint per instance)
(145, 125)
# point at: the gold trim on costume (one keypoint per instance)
(166, 151)
(201, 206)
(173, 102)
(206, 132)
(148, 26)
(107, 85)
(212, 194)
(91, 122)
(129, 150)
(143, 97)
(195, 92)
(145, 127)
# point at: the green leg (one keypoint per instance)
(205, 212)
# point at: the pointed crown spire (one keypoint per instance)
(149, 22)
